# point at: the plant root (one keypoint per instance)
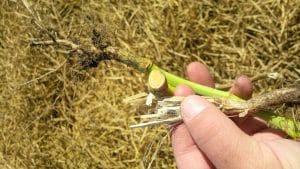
(90, 57)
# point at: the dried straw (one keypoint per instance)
(56, 114)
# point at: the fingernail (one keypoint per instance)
(191, 107)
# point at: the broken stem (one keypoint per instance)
(174, 81)
(290, 126)
(145, 65)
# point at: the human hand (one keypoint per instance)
(209, 139)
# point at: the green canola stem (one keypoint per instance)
(288, 125)
(174, 81)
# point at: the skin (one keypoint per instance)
(209, 139)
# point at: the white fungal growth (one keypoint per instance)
(149, 99)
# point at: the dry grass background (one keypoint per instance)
(74, 118)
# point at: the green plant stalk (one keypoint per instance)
(145, 65)
(289, 126)
(199, 89)
(174, 81)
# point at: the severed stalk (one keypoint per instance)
(145, 65)
(168, 109)
(158, 84)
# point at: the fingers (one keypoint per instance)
(185, 150)
(199, 73)
(242, 87)
(215, 134)
(183, 90)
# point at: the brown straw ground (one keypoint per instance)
(60, 109)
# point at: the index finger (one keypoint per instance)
(199, 73)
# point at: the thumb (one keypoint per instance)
(216, 135)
